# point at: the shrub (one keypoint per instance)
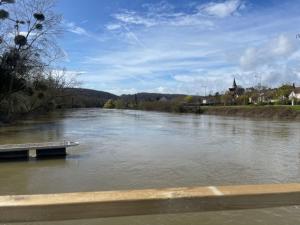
(188, 99)
(120, 104)
(109, 104)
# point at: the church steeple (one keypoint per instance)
(234, 84)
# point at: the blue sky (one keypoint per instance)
(175, 46)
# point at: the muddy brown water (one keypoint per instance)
(135, 150)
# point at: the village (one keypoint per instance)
(287, 94)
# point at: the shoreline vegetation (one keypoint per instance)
(193, 104)
(86, 98)
(65, 98)
(259, 102)
(254, 111)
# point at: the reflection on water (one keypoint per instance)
(133, 150)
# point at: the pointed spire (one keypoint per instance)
(234, 83)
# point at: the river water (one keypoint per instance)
(135, 150)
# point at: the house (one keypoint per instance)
(295, 95)
(210, 100)
(265, 96)
(250, 90)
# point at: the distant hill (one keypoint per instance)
(86, 98)
(80, 97)
(91, 93)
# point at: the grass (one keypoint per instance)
(280, 111)
(296, 107)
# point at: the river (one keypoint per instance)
(121, 149)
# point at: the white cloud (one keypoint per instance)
(120, 91)
(168, 50)
(161, 89)
(161, 14)
(250, 60)
(186, 78)
(160, 7)
(221, 9)
(281, 75)
(142, 62)
(80, 31)
(130, 17)
(24, 33)
(283, 46)
(73, 28)
(113, 26)
(276, 61)
(271, 53)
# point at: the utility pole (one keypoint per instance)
(258, 78)
(204, 101)
(205, 87)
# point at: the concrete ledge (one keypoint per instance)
(89, 205)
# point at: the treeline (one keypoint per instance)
(172, 103)
(197, 104)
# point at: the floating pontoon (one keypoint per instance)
(41, 150)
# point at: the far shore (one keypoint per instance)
(280, 112)
(252, 111)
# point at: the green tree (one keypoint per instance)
(243, 99)
(188, 99)
(120, 104)
(227, 99)
(284, 91)
(109, 104)
(218, 98)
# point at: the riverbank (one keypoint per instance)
(267, 112)
(179, 105)
(273, 112)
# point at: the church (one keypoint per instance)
(236, 90)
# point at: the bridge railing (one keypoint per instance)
(88, 205)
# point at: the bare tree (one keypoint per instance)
(31, 28)
(49, 89)
(28, 34)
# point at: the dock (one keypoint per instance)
(39, 150)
